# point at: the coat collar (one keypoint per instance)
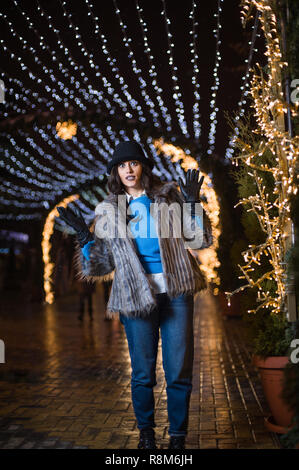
(167, 191)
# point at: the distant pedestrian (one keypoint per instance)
(86, 291)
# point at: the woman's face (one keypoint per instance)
(130, 174)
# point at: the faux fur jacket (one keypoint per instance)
(116, 257)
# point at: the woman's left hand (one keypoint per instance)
(190, 190)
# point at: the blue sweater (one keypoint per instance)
(145, 236)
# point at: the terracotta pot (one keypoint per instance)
(271, 373)
(234, 310)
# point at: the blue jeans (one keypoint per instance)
(175, 319)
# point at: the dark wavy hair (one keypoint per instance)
(149, 181)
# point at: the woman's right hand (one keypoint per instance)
(75, 220)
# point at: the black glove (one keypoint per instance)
(190, 190)
(76, 221)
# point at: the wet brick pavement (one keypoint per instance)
(66, 384)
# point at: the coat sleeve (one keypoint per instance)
(99, 265)
(197, 231)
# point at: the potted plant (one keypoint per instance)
(270, 337)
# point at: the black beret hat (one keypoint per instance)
(128, 150)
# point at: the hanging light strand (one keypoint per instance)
(195, 77)
(152, 69)
(176, 95)
(215, 87)
(134, 105)
(245, 88)
(137, 71)
(45, 69)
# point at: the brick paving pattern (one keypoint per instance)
(66, 384)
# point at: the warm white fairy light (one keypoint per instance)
(269, 107)
(46, 247)
(66, 129)
(245, 89)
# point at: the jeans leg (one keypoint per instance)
(178, 352)
(143, 336)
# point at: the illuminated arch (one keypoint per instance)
(46, 247)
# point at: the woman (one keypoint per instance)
(154, 277)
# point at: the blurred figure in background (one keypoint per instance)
(86, 291)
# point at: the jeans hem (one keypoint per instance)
(147, 426)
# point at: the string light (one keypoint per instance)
(214, 88)
(152, 70)
(135, 106)
(176, 95)
(245, 89)
(46, 247)
(142, 83)
(195, 78)
(269, 107)
(66, 130)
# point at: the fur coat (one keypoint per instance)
(116, 257)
